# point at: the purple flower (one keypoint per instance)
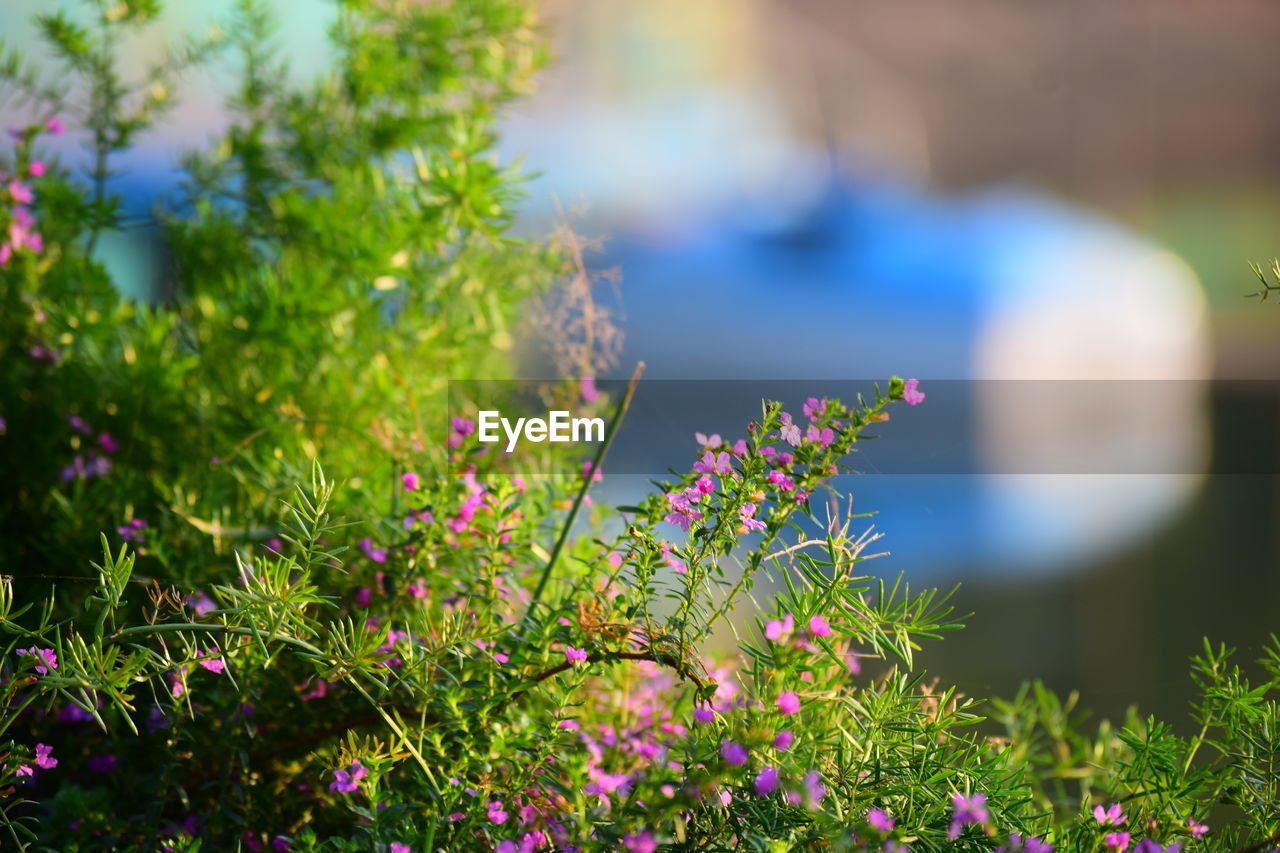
(573, 656)
(912, 395)
(348, 781)
(201, 603)
(879, 820)
(21, 193)
(782, 740)
(704, 715)
(819, 627)
(966, 810)
(767, 781)
(212, 662)
(378, 555)
(789, 702)
(714, 463)
(644, 842)
(747, 512)
(587, 388)
(1113, 815)
(496, 813)
(1018, 844)
(280, 844)
(814, 408)
(1146, 845)
(102, 763)
(108, 444)
(48, 658)
(79, 424)
(400, 847)
(135, 530)
(411, 481)
(44, 757)
(813, 789)
(734, 754)
(1116, 841)
(779, 630)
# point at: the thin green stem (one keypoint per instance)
(596, 464)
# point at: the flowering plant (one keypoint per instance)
(436, 653)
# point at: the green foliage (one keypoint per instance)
(457, 659)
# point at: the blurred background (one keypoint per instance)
(840, 190)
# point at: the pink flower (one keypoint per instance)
(641, 843)
(767, 781)
(587, 467)
(879, 820)
(378, 555)
(48, 658)
(714, 463)
(747, 513)
(400, 847)
(1197, 829)
(1113, 815)
(44, 757)
(966, 810)
(819, 627)
(705, 485)
(411, 481)
(213, 662)
(708, 441)
(1117, 841)
(790, 433)
(814, 408)
(348, 781)
(54, 126)
(587, 388)
(734, 754)
(779, 630)
(574, 656)
(568, 725)
(789, 702)
(363, 597)
(782, 740)
(21, 193)
(107, 443)
(823, 436)
(914, 397)
(496, 813)
(37, 169)
(24, 770)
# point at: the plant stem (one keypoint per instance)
(621, 411)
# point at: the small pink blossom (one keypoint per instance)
(587, 388)
(1114, 815)
(213, 662)
(914, 397)
(780, 630)
(782, 740)
(36, 169)
(496, 813)
(819, 627)
(44, 757)
(574, 655)
(789, 702)
(1117, 841)
(411, 481)
(55, 126)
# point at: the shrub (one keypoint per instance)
(434, 653)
